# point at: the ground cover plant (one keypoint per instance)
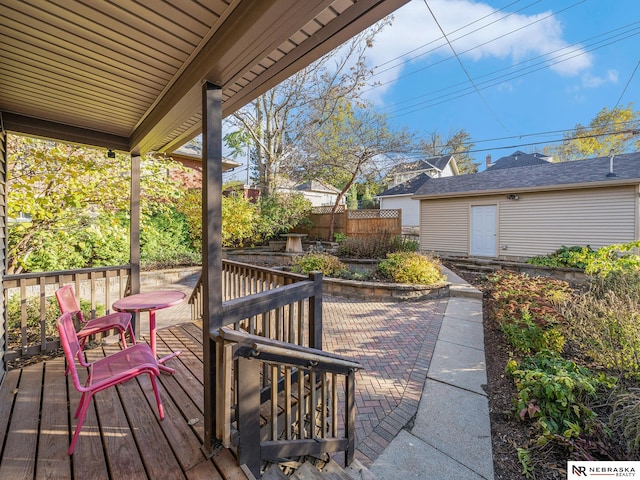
(563, 367)
(618, 257)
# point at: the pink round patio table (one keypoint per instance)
(150, 302)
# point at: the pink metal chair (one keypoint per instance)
(120, 321)
(105, 372)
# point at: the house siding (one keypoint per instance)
(444, 226)
(540, 223)
(410, 209)
(537, 223)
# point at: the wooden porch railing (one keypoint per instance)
(242, 279)
(90, 284)
(297, 410)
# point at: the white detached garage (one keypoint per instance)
(516, 213)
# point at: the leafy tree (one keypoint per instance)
(352, 198)
(274, 124)
(190, 205)
(279, 213)
(352, 144)
(458, 144)
(239, 219)
(164, 241)
(611, 130)
(75, 200)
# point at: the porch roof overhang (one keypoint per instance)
(128, 75)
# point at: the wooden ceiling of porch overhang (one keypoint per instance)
(128, 74)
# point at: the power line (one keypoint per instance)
(463, 67)
(453, 31)
(497, 80)
(541, 60)
(627, 85)
(500, 37)
(632, 131)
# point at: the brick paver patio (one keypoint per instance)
(394, 341)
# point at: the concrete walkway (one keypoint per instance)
(421, 409)
(451, 435)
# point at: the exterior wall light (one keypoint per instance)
(513, 196)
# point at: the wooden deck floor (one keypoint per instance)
(122, 436)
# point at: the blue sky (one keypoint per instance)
(539, 66)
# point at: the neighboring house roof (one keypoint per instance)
(519, 159)
(407, 188)
(438, 163)
(548, 176)
(316, 186)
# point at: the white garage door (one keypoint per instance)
(483, 230)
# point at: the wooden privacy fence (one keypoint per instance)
(353, 223)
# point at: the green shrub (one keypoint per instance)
(410, 267)
(525, 309)
(239, 219)
(603, 261)
(329, 265)
(614, 258)
(570, 257)
(556, 393)
(375, 246)
(528, 336)
(279, 213)
(339, 237)
(165, 241)
(52, 312)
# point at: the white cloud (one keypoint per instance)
(476, 31)
(593, 81)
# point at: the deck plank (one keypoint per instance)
(120, 447)
(155, 451)
(179, 434)
(194, 330)
(119, 423)
(53, 461)
(205, 470)
(18, 460)
(191, 356)
(180, 398)
(7, 398)
(88, 460)
(228, 465)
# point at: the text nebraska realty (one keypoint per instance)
(604, 471)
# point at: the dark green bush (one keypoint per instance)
(165, 241)
(556, 392)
